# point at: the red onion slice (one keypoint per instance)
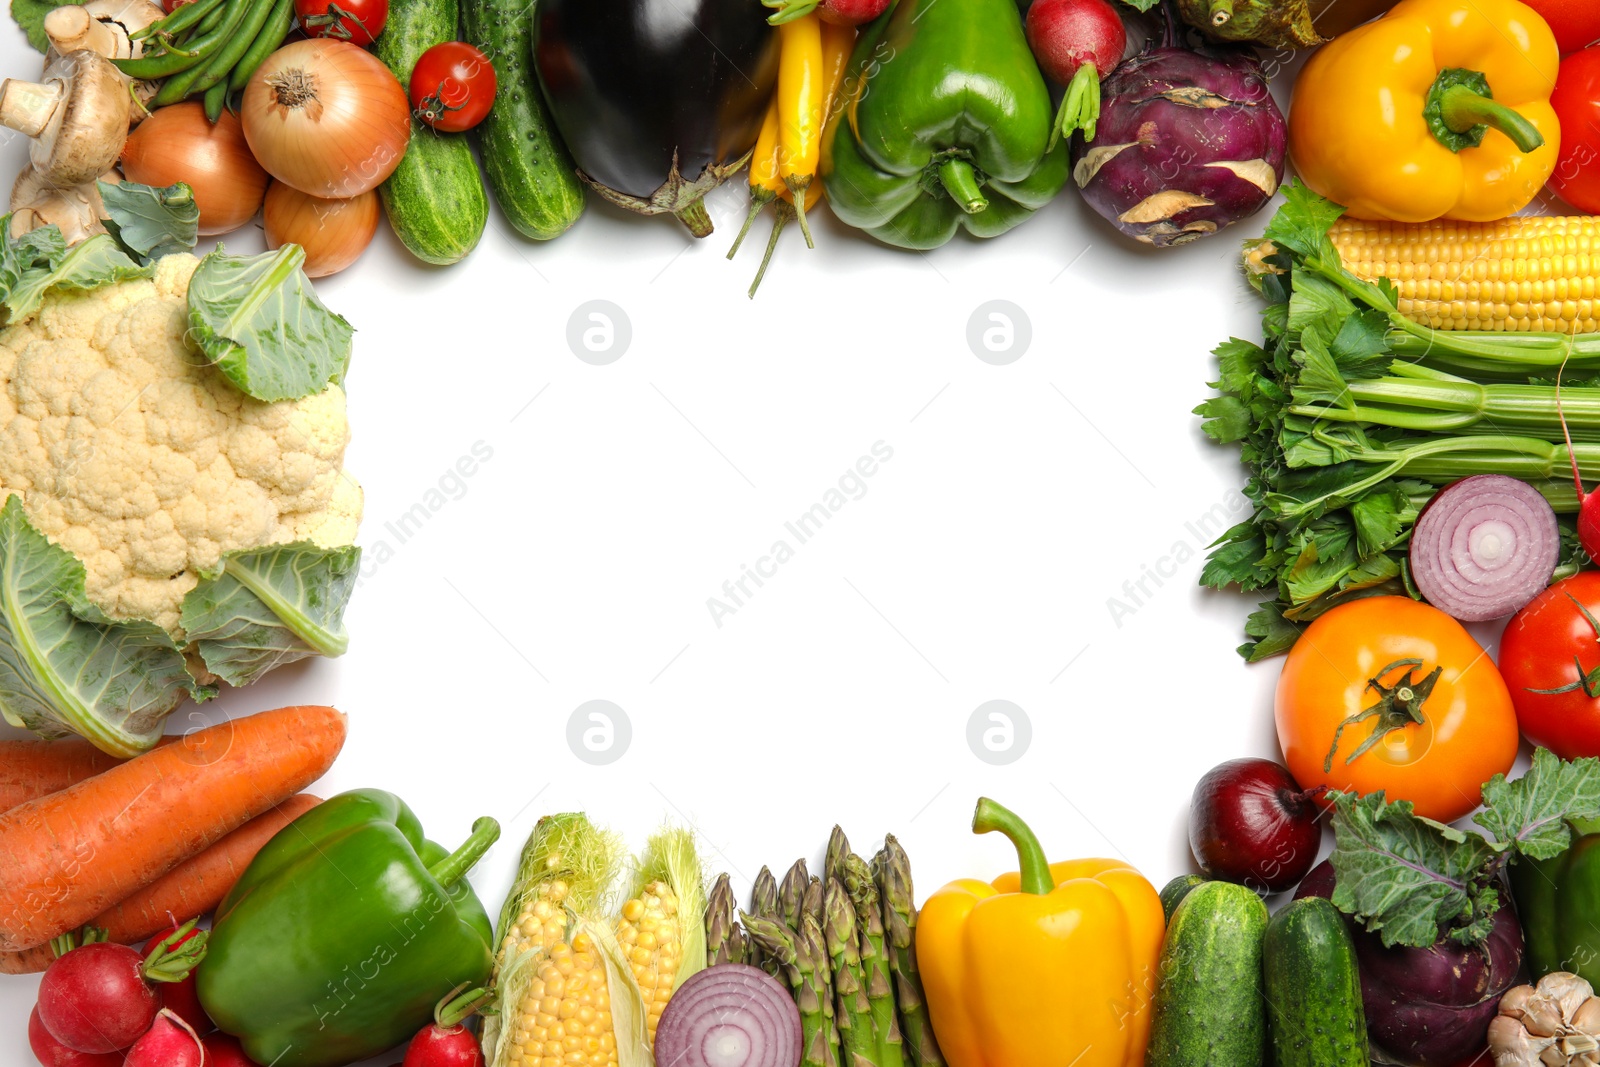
(729, 1015)
(1484, 547)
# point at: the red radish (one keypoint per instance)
(1250, 823)
(52, 1053)
(1075, 43)
(182, 998)
(445, 1042)
(837, 12)
(170, 1042)
(224, 1050)
(100, 997)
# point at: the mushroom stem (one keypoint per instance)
(28, 107)
(72, 27)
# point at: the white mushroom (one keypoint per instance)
(77, 210)
(77, 116)
(103, 26)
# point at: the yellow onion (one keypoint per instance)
(333, 233)
(178, 144)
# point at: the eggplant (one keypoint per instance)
(1430, 1007)
(659, 101)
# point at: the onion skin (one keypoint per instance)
(1460, 559)
(334, 233)
(178, 144)
(326, 118)
(1250, 823)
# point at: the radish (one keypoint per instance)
(170, 1042)
(1075, 42)
(182, 998)
(836, 12)
(224, 1050)
(99, 997)
(52, 1053)
(445, 1042)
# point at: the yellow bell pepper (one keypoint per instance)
(1051, 965)
(1440, 109)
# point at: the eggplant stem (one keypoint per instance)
(1221, 12)
(696, 218)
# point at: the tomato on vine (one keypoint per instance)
(452, 87)
(356, 21)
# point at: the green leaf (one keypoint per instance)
(1405, 877)
(67, 669)
(258, 319)
(150, 222)
(1530, 815)
(1302, 223)
(1272, 632)
(1380, 514)
(87, 265)
(29, 15)
(1141, 5)
(270, 606)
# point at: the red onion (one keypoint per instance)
(729, 1015)
(1484, 547)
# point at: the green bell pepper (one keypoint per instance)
(1558, 904)
(947, 124)
(344, 932)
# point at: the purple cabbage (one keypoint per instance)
(1188, 143)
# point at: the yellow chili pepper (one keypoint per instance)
(1051, 965)
(1439, 109)
(765, 185)
(838, 42)
(802, 106)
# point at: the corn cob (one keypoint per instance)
(891, 870)
(661, 928)
(863, 892)
(1522, 273)
(852, 1013)
(802, 957)
(557, 1002)
(792, 894)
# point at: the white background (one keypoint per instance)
(978, 565)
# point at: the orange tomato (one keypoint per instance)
(1389, 693)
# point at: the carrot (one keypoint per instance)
(33, 769)
(67, 857)
(192, 888)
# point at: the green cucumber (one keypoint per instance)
(1210, 1010)
(434, 198)
(1313, 988)
(1173, 892)
(529, 168)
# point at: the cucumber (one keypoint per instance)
(530, 171)
(1313, 988)
(434, 198)
(1173, 892)
(1210, 1010)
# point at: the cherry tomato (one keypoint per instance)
(356, 21)
(1389, 693)
(452, 86)
(1577, 102)
(1576, 22)
(1550, 657)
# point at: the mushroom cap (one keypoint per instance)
(86, 131)
(131, 15)
(76, 210)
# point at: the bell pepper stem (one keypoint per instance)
(960, 181)
(1080, 107)
(1221, 12)
(1462, 109)
(450, 870)
(991, 817)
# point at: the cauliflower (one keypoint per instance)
(132, 453)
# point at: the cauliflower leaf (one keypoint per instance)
(257, 319)
(65, 668)
(269, 606)
(150, 221)
(87, 265)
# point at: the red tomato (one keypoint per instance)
(1577, 102)
(1576, 22)
(356, 21)
(169, 6)
(452, 86)
(1550, 658)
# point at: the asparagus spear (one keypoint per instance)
(791, 894)
(811, 903)
(803, 961)
(892, 870)
(724, 940)
(763, 902)
(874, 960)
(852, 1012)
(838, 849)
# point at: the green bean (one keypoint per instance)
(228, 56)
(209, 23)
(216, 97)
(197, 50)
(266, 42)
(180, 20)
(180, 85)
